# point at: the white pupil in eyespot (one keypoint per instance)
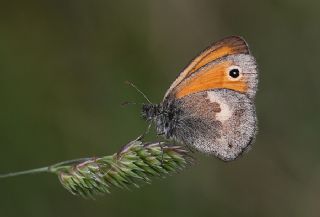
(234, 73)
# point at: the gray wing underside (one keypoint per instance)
(218, 122)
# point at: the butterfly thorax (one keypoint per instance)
(165, 117)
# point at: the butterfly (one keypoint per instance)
(210, 106)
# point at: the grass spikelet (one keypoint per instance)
(134, 164)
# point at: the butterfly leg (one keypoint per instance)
(161, 147)
(145, 132)
(162, 152)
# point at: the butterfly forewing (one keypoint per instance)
(228, 46)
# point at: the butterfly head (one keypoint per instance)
(150, 111)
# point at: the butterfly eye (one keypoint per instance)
(234, 73)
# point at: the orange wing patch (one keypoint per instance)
(225, 47)
(210, 78)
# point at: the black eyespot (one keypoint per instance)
(234, 73)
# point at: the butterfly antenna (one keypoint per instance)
(137, 89)
(126, 103)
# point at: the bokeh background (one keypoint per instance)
(63, 65)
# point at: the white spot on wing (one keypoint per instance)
(225, 112)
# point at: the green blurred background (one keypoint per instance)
(63, 65)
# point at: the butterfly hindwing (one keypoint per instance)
(220, 122)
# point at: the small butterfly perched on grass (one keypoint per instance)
(210, 106)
